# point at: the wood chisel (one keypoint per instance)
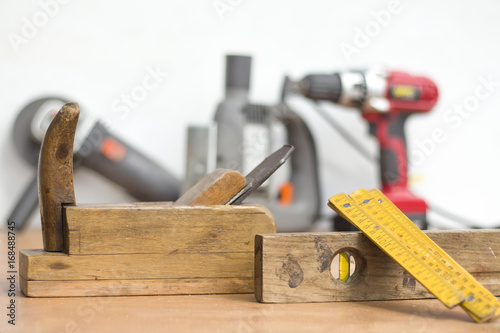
(224, 186)
(262, 172)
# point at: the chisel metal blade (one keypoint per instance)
(262, 172)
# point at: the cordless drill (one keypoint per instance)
(385, 100)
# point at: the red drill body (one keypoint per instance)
(385, 99)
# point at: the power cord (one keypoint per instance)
(345, 134)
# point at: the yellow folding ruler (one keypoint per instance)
(395, 234)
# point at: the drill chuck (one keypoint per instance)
(326, 87)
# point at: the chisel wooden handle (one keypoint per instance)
(216, 188)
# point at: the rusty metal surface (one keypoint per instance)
(55, 175)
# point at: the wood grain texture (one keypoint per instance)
(230, 312)
(296, 267)
(56, 266)
(149, 250)
(146, 287)
(55, 175)
(164, 229)
(235, 313)
(216, 188)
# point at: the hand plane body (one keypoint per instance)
(148, 249)
(197, 245)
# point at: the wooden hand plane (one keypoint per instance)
(197, 245)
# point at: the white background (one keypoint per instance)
(94, 51)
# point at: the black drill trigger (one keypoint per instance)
(373, 129)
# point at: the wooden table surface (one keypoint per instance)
(219, 313)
